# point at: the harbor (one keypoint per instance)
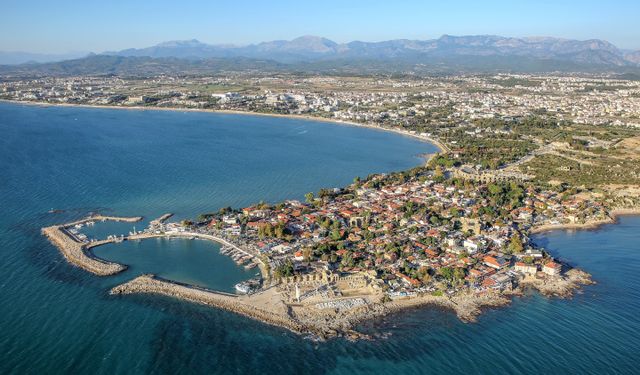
(75, 247)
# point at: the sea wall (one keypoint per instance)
(76, 254)
(152, 285)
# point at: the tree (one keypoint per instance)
(285, 269)
(279, 230)
(434, 220)
(268, 230)
(347, 259)
(515, 245)
(459, 273)
(438, 174)
(309, 198)
(446, 273)
(336, 235)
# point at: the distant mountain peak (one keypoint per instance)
(530, 53)
(182, 43)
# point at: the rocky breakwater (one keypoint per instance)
(76, 253)
(254, 308)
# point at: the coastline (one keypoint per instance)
(439, 144)
(267, 305)
(271, 305)
(592, 224)
(466, 306)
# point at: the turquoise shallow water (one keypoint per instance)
(57, 319)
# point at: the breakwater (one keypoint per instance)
(76, 252)
(246, 306)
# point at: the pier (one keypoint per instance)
(160, 220)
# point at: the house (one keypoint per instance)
(489, 283)
(229, 219)
(471, 246)
(408, 280)
(534, 253)
(552, 268)
(527, 269)
(282, 248)
(497, 263)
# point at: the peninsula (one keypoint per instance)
(520, 154)
(377, 246)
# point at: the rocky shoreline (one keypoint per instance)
(563, 287)
(266, 306)
(590, 224)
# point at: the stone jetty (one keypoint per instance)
(247, 306)
(76, 252)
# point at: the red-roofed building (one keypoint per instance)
(552, 268)
(494, 262)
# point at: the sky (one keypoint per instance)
(60, 26)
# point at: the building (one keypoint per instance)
(494, 262)
(552, 268)
(527, 269)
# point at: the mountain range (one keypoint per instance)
(477, 53)
(313, 48)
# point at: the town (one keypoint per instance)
(595, 100)
(421, 231)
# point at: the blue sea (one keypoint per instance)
(57, 319)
